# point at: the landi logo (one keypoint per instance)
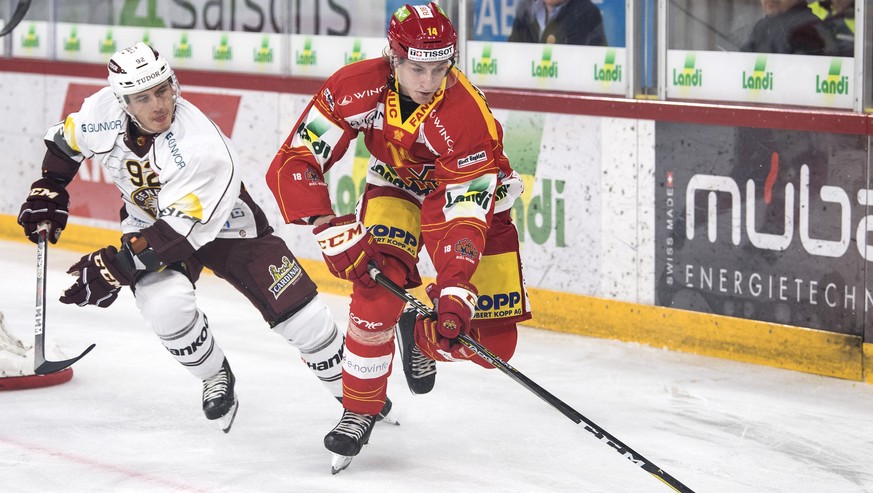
(107, 45)
(264, 54)
(610, 71)
(547, 69)
(834, 82)
(307, 56)
(356, 55)
(760, 79)
(72, 42)
(223, 52)
(31, 39)
(485, 65)
(183, 49)
(689, 76)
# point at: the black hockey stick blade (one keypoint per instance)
(519, 377)
(53, 366)
(20, 10)
(41, 366)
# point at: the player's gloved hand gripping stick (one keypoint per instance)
(483, 352)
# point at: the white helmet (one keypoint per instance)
(136, 69)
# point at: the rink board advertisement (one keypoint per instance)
(589, 220)
(559, 157)
(763, 224)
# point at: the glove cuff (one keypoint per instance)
(467, 297)
(340, 234)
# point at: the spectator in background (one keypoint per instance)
(788, 27)
(573, 22)
(838, 18)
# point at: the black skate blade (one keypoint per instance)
(339, 462)
(226, 421)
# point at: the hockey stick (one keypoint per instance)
(16, 17)
(40, 365)
(483, 352)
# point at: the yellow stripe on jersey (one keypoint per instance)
(480, 100)
(189, 205)
(70, 134)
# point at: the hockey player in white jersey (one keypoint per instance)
(185, 207)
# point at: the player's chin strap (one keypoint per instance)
(591, 427)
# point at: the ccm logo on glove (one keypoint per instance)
(344, 239)
(347, 246)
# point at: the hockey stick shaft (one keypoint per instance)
(16, 17)
(602, 435)
(41, 366)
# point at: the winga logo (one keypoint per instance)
(264, 54)
(307, 56)
(223, 52)
(689, 76)
(72, 43)
(547, 69)
(834, 82)
(486, 65)
(183, 49)
(760, 79)
(610, 71)
(108, 45)
(356, 55)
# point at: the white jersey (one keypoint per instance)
(188, 178)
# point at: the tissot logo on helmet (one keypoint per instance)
(431, 55)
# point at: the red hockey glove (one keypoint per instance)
(454, 306)
(48, 202)
(347, 246)
(100, 276)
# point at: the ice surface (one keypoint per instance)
(130, 419)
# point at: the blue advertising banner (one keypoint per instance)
(492, 19)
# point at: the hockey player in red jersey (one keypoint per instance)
(185, 207)
(438, 178)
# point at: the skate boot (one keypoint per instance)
(385, 415)
(219, 398)
(420, 370)
(347, 438)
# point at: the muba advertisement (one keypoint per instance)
(764, 224)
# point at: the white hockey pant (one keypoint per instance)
(167, 303)
(313, 331)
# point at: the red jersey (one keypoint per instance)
(448, 154)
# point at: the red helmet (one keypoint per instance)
(422, 33)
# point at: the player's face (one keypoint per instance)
(153, 108)
(420, 80)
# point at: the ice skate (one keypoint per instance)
(420, 370)
(384, 415)
(347, 438)
(219, 398)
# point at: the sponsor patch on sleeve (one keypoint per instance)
(472, 159)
